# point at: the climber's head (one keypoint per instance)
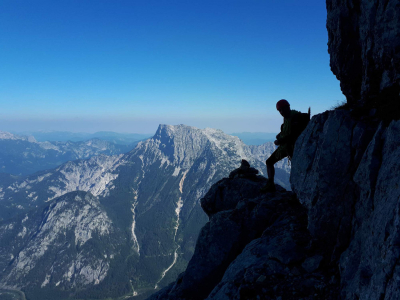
(283, 107)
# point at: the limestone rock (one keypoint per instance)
(347, 175)
(324, 162)
(228, 194)
(364, 48)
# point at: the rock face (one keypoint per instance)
(326, 158)
(256, 245)
(364, 48)
(349, 182)
(53, 246)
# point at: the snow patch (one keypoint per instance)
(46, 281)
(136, 246)
(178, 209)
(23, 232)
(176, 171)
(163, 161)
(182, 180)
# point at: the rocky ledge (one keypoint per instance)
(253, 245)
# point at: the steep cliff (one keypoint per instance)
(364, 48)
(337, 235)
(347, 175)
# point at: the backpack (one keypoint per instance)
(302, 121)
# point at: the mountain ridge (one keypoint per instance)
(22, 155)
(150, 195)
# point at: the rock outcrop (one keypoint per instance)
(69, 244)
(364, 48)
(253, 245)
(347, 175)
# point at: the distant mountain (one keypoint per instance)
(255, 138)
(65, 136)
(22, 155)
(150, 197)
(69, 243)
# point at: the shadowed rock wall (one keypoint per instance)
(364, 48)
(347, 174)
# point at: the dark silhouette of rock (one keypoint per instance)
(227, 193)
(364, 49)
(244, 171)
(253, 244)
(347, 174)
(326, 157)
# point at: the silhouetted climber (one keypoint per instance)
(294, 122)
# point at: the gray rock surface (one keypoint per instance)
(326, 157)
(53, 246)
(347, 175)
(364, 48)
(370, 266)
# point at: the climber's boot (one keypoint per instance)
(269, 187)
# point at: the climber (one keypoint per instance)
(294, 122)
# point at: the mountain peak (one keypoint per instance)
(181, 143)
(4, 135)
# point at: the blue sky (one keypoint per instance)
(128, 66)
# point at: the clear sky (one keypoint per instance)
(128, 66)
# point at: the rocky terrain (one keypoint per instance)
(337, 235)
(364, 53)
(52, 243)
(149, 199)
(20, 155)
